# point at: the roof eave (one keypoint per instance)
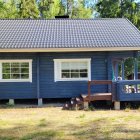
(71, 49)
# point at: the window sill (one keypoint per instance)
(14, 80)
(61, 80)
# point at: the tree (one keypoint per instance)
(81, 11)
(78, 8)
(2, 10)
(11, 9)
(28, 9)
(8, 9)
(50, 8)
(108, 8)
(119, 8)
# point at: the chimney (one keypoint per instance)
(61, 17)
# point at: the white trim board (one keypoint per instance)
(72, 49)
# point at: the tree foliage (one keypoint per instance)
(28, 9)
(119, 8)
(79, 10)
(47, 9)
(8, 9)
(50, 8)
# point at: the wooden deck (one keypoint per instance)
(97, 97)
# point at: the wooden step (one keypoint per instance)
(97, 97)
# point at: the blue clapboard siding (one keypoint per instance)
(101, 69)
(65, 89)
(19, 90)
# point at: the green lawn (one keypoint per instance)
(52, 123)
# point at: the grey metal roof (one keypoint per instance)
(68, 33)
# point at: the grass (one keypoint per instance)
(52, 123)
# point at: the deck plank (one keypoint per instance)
(97, 97)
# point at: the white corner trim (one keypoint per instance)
(57, 69)
(18, 61)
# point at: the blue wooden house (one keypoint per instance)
(56, 58)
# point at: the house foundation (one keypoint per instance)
(40, 102)
(11, 101)
(86, 105)
(117, 105)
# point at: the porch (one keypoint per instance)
(122, 90)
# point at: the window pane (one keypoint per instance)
(74, 65)
(65, 65)
(24, 64)
(75, 70)
(83, 75)
(15, 65)
(82, 65)
(5, 70)
(15, 76)
(74, 75)
(6, 76)
(65, 75)
(66, 71)
(24, 70)
(83, 70)
(6, 65)
(15, 70)
(24, 76)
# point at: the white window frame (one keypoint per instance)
(57, 69)
(17, 61)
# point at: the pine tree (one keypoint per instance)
(119, 8)
(8, 9)
(2, 10)
(81, 11)
(11, 9)
(28, 9)
(50, 8)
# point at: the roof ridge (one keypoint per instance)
(132, 25)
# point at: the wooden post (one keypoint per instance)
(89, 84)
(135, 69)
(116, 70)
(117, 105)
(11, 101)
(123, 70)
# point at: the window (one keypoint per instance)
(72, 69)
(15, 70)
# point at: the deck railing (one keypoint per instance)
(97, 82)
(128, 90)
